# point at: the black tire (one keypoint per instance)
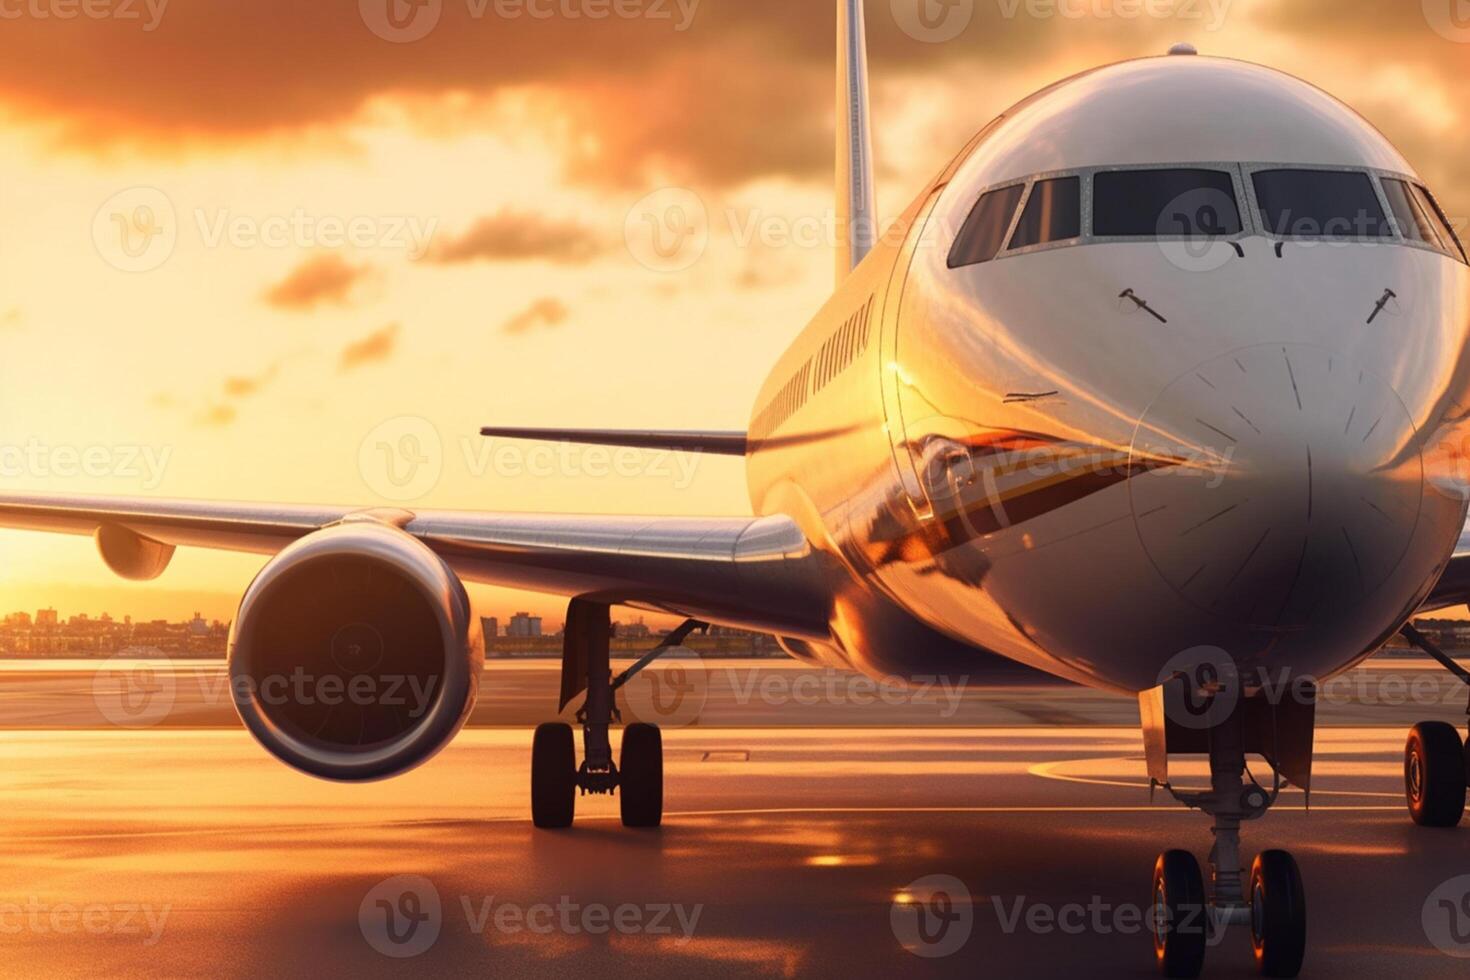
(553, 776)
(1434, 774)
(1181, 920)
(1278, 914)
(641, 783)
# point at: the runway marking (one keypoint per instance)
(1044, 770)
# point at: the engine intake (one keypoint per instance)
(355, 655)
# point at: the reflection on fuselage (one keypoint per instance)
(1091, 455)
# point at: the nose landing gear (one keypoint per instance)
(1189, 917)
(1436, 761)
(1209, 714)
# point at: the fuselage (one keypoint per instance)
(1088, 446)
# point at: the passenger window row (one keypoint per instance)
(850, 340)
(1200, 202)
(836, 354)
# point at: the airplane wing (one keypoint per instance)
(758, 573)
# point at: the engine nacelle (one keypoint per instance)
(355, 655)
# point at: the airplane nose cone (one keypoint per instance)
(1276, 485)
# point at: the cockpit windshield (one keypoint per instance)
(1329, 204)
(1164, 203)
(1228, 202)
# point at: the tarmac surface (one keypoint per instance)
(1013, 837)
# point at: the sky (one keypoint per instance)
(286, 251)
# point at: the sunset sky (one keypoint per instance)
(254, 250)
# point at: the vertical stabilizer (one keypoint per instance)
(856, 206)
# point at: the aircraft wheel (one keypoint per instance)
(1278, 914)
(641, 776)
(1434, 774)
(1180, 917)
(553, 776)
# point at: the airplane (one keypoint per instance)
(1160, 386)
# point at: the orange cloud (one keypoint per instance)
(546, 312)
(511, 236)
(218, 416)
(376, 346)
(670, 92)
(325, 279)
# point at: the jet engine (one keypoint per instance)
(354, 655)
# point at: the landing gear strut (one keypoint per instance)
(556, 779)
(1191, 911)
(1436, 761)
(1274, 905)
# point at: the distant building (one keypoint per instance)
(46, 617)
(635, 631)
(523, 625)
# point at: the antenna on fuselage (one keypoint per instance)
(857, 209)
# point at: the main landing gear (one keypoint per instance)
(638, 776)
(1188, 916)
(1436, 761)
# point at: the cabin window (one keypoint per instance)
(1330, 204)
(985, 229)
(1053, 213)
(1164, 203)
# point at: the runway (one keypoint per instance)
(148, 835)
(786, 852)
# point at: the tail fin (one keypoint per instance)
(856, 205)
